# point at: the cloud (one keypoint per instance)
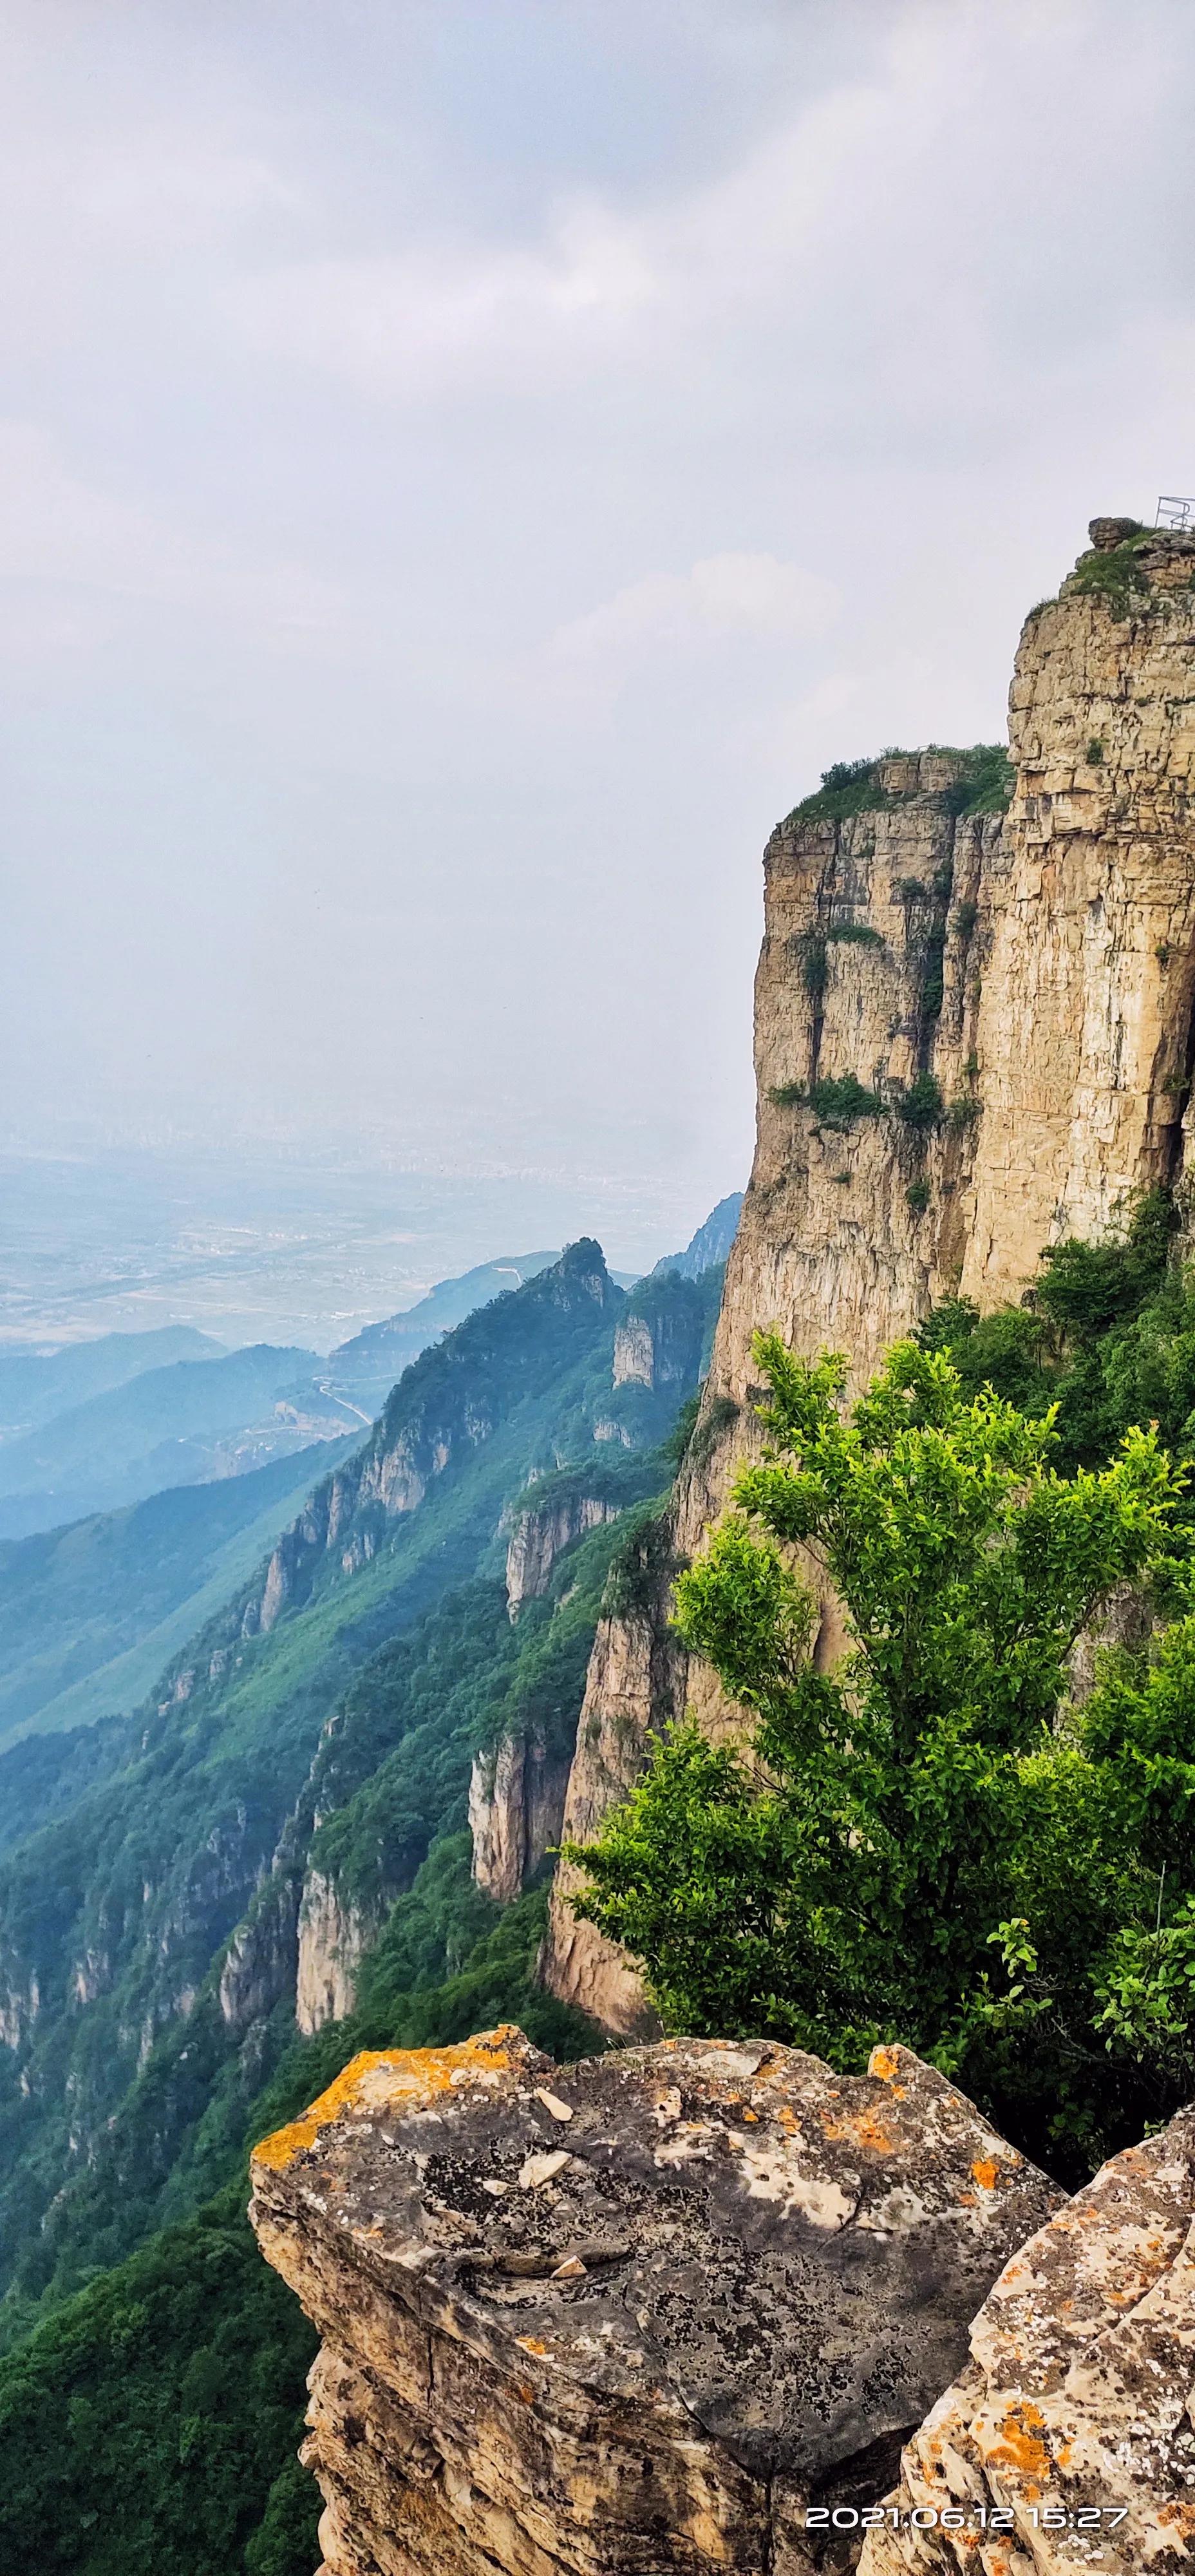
(424, 321)
(75, 560)
(723, 597)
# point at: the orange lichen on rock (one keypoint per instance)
(380, 2075)
(986, 2172)
(863, 2129)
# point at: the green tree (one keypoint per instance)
(872, 1864)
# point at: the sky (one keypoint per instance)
(467, 466)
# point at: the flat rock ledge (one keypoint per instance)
(637, 2314)
(1073, 2421)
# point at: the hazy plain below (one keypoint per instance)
(275, 1247)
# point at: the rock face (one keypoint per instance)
(542, 1531)
(974, 1034)
(1085, 1019)
(638, 2313)
(333, 1937)
(1078, 2398)
(635, 1684)
(516, 1811)
(657, 1342)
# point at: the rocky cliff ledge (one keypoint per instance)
(974, 1034)
(640, 2313)
(1067, 2443)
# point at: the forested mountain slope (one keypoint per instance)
(166, 1426)
(36, 1384)
(279, 1845)
(154, 1931)
(90, 1613)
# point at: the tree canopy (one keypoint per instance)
(931, 1842)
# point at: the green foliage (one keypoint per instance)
(1005, 1351)
(641, 1562)
(1108, 1339)
(814, 964)
(852, 786)
(152, 2421)
(917, 1197)
(853, 934)
(921, 1105)
(933, 984)
(541, 1700)
(674, 1448)
(1114, 574)
(835, 1099)
(987, 785)
(718, 1417)
(1088, 1286)
(145, 2426)
(848, 787)
(1095, 752)
(150, 1868)
(90, 1614)
(842, 1881)
(909, 890)
(962, 1113)
(965, 919)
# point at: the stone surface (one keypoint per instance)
(1107, 533)
(539, 1534)
(1080, 2394)
(640, 2337)
(516, 1811)
(1085, 1017)
(635, 1683)
(333, 1937)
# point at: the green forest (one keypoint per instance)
(937, 1843)
(933, 1843)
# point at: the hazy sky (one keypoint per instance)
(467, 465)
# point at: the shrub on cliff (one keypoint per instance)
(915, 1846)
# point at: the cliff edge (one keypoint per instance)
(974, 1035)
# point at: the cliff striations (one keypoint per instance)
(974, 1034)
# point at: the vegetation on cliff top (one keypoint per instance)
(852, 787)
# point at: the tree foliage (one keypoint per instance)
(928, 1843)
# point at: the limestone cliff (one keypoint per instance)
(542, 1529)
(1076, 2402)
(516, 1810)
(657, 1341)
(333, 1935)
(974, 1034)
(637, 2313)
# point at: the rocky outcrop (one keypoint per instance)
(657, 1343)
(974, 1031)
(1085, 1028)
(1067, 2442)
(635, 1684)
(644, 2312)
(540, 1532)
(516, 1811)
(333, 1937)
(258, 1969)
(708, 1248)
(20, 2005)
